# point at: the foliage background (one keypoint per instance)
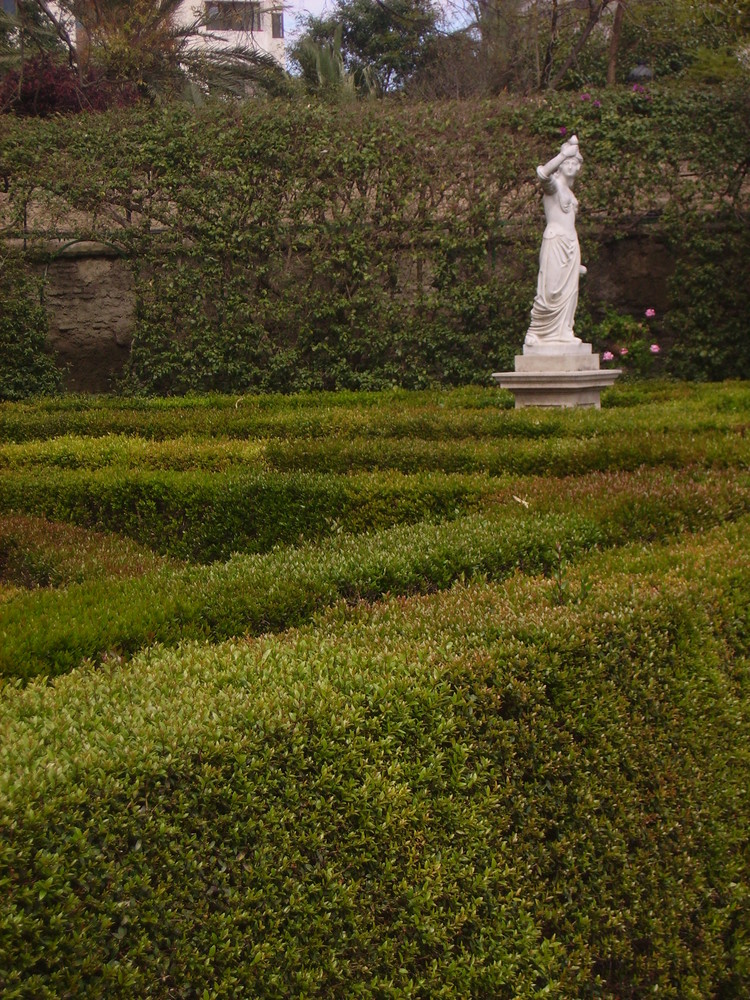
(285, 246)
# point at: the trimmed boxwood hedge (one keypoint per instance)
(438, 415)
(202, 478)
(548, 523)
(35, 552)
(205, 516)
(481, 793)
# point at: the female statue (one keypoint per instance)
(554, 308)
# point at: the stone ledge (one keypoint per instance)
(557, 348)
(558, 388)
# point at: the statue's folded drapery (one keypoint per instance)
(554, 309)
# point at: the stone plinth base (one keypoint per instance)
(558, 375)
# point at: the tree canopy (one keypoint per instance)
(388, 39)
(528, 45)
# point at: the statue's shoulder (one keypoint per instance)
(549, 184)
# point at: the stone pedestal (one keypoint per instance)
(562, 375)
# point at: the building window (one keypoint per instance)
(231, 16)
(277, 24)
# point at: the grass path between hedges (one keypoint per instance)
(556, 521)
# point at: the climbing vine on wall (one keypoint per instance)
(26, 368)
(287, 246)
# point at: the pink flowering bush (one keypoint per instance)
(627, 342)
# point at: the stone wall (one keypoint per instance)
(90, 297)
(632, 274)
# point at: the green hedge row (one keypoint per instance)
(204, 516)
(444, 415)
(552, 457)
(480, 793)
(50, 633)
(555, 454)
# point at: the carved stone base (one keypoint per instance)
(559, 375)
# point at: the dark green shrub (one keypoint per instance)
(710, 330)
(204, 516)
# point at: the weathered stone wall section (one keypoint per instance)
(89, 295)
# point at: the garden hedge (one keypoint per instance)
(480, 793)
(549, 523)
(442, 415)
(205, 516)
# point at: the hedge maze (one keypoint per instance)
(397, 695)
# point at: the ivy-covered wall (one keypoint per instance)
(289, 246)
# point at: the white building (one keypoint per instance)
(257, 24)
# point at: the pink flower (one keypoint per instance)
(563, 130)
(650, 313)
(623, 351)
(597, 104)
(655, 349)
(585, 97)
(608, 356)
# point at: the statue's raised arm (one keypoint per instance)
(553, 312)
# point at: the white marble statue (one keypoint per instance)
(553, 312)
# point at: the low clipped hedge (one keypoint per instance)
(551, 453)
(204, 516)
(50, 633)
(202, 478)
(481, 793)
(439, 415)
(558, 456)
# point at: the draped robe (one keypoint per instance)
(553, 312)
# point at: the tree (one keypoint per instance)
(596, 8)
(677, 37)
(38, 75)
(614, 44)
(25, 33)
(387, 39)
(324, 72)
(141, 43)
(526, 45)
